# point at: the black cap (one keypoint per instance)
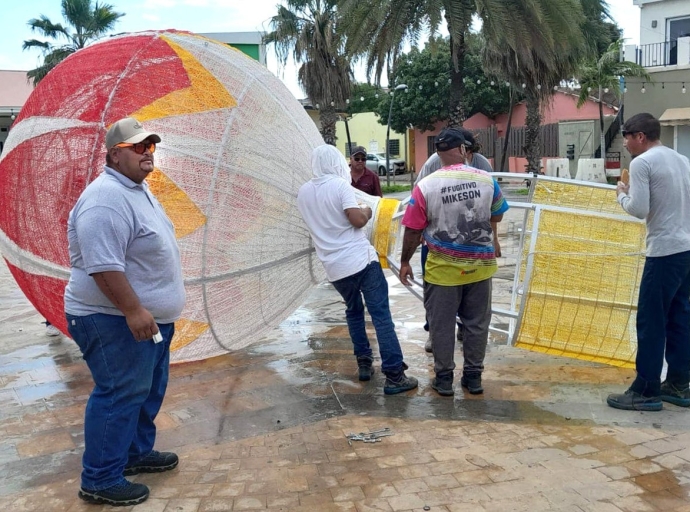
(358, 149)
(470, 142)
(449, 138)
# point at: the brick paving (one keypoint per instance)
(264, 428)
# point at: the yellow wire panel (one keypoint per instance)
(581, 299)
(572, 195)
(383, 230)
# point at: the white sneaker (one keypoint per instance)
(51, 330)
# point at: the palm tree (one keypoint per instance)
(306, 29)
(379, 29)
(540, 65)
(604, 74)
(86, 21)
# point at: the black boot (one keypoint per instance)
(443, 384)
(366, 369)
(473, 383)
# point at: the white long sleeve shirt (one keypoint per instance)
(660, 194)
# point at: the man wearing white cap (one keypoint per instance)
(124, 294)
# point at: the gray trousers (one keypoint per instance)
(472, 303)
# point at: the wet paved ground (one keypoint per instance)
(264, 428)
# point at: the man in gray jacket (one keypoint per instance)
(659, 192)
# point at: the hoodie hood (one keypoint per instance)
(328, 163)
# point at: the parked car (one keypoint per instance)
(377, 163)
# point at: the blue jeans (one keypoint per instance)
(371, 283)
(130, 380)
(663, 323)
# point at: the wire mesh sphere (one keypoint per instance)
(236, 146)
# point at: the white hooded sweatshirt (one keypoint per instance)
(343, 249)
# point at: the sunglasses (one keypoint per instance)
(626, 133)
(139, 148)
(360, 159)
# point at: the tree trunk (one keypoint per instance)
(456, 103)
(328, 118)
(532, 138)
(601, 126)
(506, 135)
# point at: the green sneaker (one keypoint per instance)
(675, 395)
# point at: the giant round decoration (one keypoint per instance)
(236, 146)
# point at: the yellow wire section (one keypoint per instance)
(186, 331)
(182, 211)
(383, 229)
(204, 93)
(581, 297)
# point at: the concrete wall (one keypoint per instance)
(659, 11)
(656, 100)
(563, 107)
(366, 131)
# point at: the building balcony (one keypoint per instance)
(666, 53)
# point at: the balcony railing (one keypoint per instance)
(657, 54)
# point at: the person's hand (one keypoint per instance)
(497, 247)
(622, 188)
(405, 273)
(142, 324)
(367, 211)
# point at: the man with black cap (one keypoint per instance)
(474, 159)
(124, 294)
(362, 178)
(453, 209)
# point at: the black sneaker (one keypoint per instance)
(443, 387)
(674, 394)
(119, 495)
(154, 462)
(364, 364)
(399, 384)
(473, 383)
(633, 401)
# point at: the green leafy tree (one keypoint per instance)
(378, 30)
(536, 71)
(604, 74)
(598, 27)
(86, 21)
(365, 98)
(306, 30)
(426, 73)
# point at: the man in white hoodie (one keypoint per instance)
(335, 220)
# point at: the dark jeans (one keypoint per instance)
(663, 323)
(371, 283)
(130, 380)
(425, 254)
(473, 302)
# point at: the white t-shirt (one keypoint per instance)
(343, 249)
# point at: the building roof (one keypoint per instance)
(14, 89)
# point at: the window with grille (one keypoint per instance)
(394, 147)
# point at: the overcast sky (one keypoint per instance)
(195, 16)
